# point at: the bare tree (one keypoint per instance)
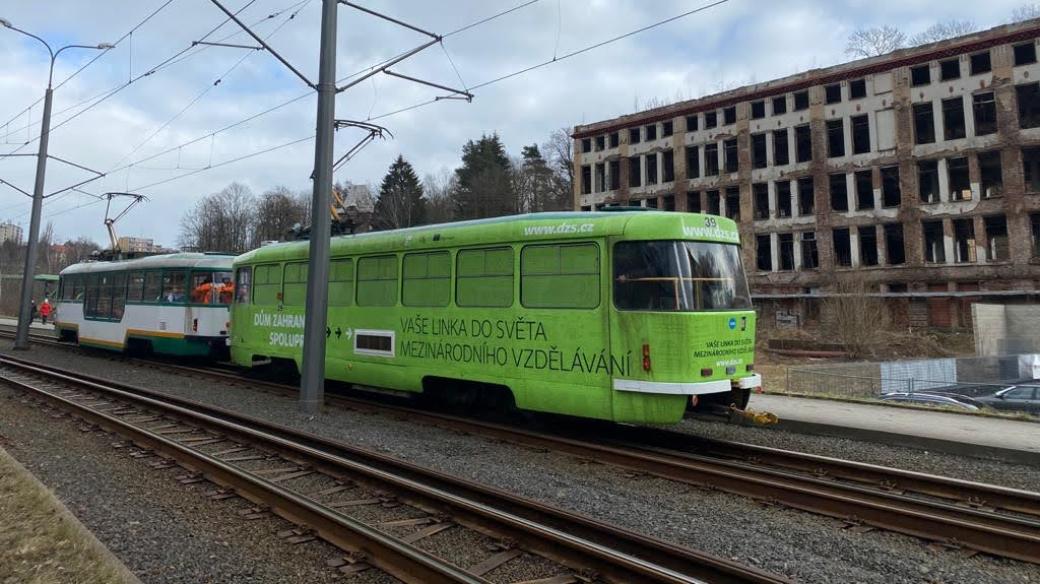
(438, 188)
(221, 222)
(559, 153)
(941, 31)
(277, 212)
(856, 319)
(871, 42)
(1025, 12)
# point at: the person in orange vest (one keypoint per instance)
(227, 291)
(45, 310)
(202, 292)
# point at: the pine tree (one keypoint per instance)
(533, 181)
(484, 186)
(401, 202)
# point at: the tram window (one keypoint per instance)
(341, 283)
(118, 295)
(559, 276)
(243, 284)
(426, 279)
(224, 288)
(104, 298)
(135, 287)
(484, 277)
(90, 295)
(205, 287)
(173, 283)
(267, 286)
(679, 275)
(152, 287)
(295, 281)
(377, 281)
(68, 289)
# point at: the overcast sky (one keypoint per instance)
(738, 42)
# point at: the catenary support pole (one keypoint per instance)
(312, 376)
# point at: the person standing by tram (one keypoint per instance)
(45, 310)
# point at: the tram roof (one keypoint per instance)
(169, 260)
(532, 227)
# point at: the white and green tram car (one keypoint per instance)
(172, 304)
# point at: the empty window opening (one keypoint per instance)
(635, 175)
(953, 118)
(711, 160)
(806, 196)
(1031, 169)
(832, 93)
(729, 115)
(711, 119)
(601, 143)
(801, 100)
(758, 109)
(758, 151)
(783, 198)
(650, 203)
(786, 249)
(669, 202)
(763, 253)
(810, 253)
(634, 136)
(1034, 220)
(928, 180)
(667, 128)
(839, 193)
(586, 179)
(920, 75)
(934, 248)
(891, 192)
(667, 166)
(732, 158)
(860, 134)
(950, 69)
(693, 202)
(651, 132)
(614, 172)
(803, 143)
(963, 241)
(842, 247)
(780, 148)
(1028, 105)
(651, 168)
(984, 110)
(868, 250)
(692, 124)
(857, 88)
(864, 190)
(733, 203)
(693, 162)
(895, 252)
(780, 105)
(615, 139)
(980, 63)
(601, 177)
(957, 174)
(1025, 53)
(760, 193)
(924, 123)
(991, 176)
(997, 238)
(835, 138)
(714, 202)
(586, 145)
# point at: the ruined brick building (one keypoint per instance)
(917, 172)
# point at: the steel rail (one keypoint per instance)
(615, 553)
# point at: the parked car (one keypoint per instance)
(1017, 398)
(930, 399)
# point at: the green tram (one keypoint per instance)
(625, 316)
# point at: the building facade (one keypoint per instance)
(10, 232)
(916, 174)
(138, 245)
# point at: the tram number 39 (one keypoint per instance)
(710, 222)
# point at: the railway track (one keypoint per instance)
(314, 482)
(987, 518)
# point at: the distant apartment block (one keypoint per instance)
(10, 232)
(917, 171)
(138, 245)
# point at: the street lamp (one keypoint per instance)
(21, 340)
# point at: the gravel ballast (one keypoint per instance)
(806, 547)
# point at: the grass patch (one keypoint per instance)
(41, 542)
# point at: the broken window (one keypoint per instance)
(650, 203)
(860, 134)
(839, 193)
(635, 175)
(615, 139)
(786, 249)
(835, 138)
(806, 196)
(963, 240)
(780, 105)
(601, 143)
(780, 153)
(601, 177)
(801, 100)
(895, 252)
(651, 132)
(586, 179)
(950, 69)
(1028, 105)
(668, 164)
(832, 92)
(924, 123)
(997, 237)
(783, 198)
(842, 247)
(714, 202)
(934, 249)
(957, 174)
(920, 75)
(803, 143)
(693, 162)
(760, 193)
(891, 192)
(1031, 169)
(711, 160)
(729, 115)
(980, 63)
(864, 190)
(633, 136)
(733, 203)
(651, 168)
(693, 202)
(991, 176)
(711, 119)
(984, 109)
(928, 180)
(691, 123)
(810, 254)
(758, 151)
(586, 145)
(857, 88)
(669, 202)
(868, 250)
(732, 159)
(614, 173)
(763, 253)
(1025, 53)
(953, 118)
(666, 128)
(758, 109)
(1034, 220)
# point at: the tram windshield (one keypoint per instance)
(679, 276)
(211, 287)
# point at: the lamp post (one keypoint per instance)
(21, 340)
